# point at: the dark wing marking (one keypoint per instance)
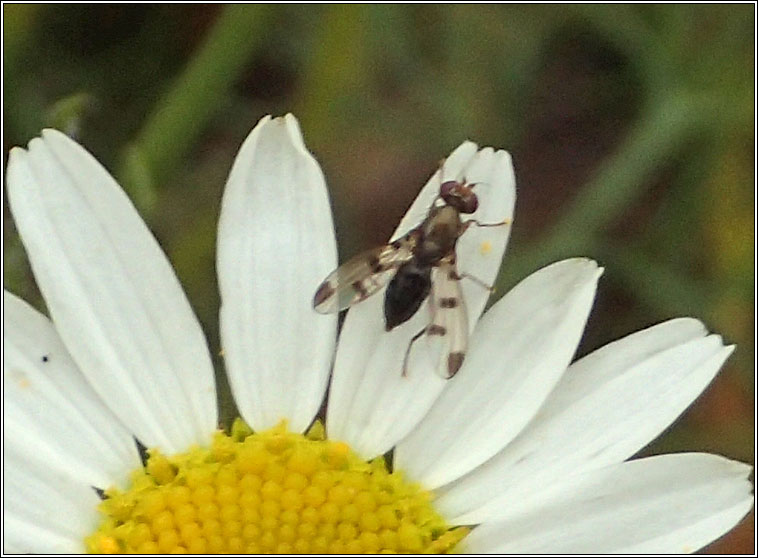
(363, 275)
(447, 332)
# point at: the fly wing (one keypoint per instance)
(359, 278)
(447, 333)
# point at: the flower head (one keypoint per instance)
(522, 451)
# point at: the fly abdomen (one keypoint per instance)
(408, 289)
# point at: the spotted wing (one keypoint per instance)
(363, 275)
(447, 333)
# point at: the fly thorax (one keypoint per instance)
(439, 235)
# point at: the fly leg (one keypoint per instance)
(469, 222)
(483, 284)
(408, 351)
(466, 225)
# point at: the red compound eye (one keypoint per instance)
(446, 188)
(459, 195)
(468, 203)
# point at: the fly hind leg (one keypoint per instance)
(408, 351)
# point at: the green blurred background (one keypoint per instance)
(631, 130)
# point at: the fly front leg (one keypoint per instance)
(466, 225)
(469, 222)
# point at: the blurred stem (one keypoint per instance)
(20, 28)
(658, 134)
(183, 112)
(335, 87)
(337, 73)
(20, 22)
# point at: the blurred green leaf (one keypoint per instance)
(655, 137)
(184, 111)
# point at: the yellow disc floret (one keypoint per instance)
(270, 492)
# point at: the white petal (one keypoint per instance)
(518, 353)
(26, 537)
(607, 406)
(668, 504)
(43, 511)
(112, 294)
(275, 245)
(52, 417)
(371, 405)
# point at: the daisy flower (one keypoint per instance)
(111, 439)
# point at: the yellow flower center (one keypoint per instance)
(270, 492)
